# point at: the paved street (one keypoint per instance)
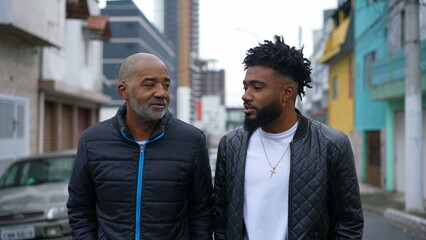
(379, 228)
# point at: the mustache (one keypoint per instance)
(247, 104)
(157, 101)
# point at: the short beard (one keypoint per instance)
(143, 110)
(264, 116)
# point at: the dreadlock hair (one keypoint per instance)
(287, 61)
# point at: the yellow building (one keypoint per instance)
(340, 98)
(338, 53)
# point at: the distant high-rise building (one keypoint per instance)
(179, 21)
(133, 33)
(212, 81)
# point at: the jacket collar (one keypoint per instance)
(164, 123)
(302, 128)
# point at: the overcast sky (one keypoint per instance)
(228, 28)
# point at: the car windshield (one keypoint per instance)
(38, 171)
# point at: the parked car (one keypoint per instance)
(33, 195)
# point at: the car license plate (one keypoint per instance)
(17, 233)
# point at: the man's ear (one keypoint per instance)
(288, 91)
(122, 90)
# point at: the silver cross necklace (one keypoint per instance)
(272, 167)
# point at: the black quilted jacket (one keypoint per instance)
(119, 190)
(324, 201)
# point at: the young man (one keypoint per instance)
(283, 175)
(142, 174)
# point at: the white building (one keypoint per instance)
(315, 103)
(50, 73)
(212, 117)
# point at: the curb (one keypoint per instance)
(405, 218)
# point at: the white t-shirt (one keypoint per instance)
(266, 197)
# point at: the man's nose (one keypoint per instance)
(160, 92)
(246, 97)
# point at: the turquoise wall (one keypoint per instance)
(370, 35)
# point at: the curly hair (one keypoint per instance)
(287, 61)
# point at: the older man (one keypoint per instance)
(142, 174)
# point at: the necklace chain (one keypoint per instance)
(267, 158)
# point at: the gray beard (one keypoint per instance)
(143, 110)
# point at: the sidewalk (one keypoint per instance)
(391, 206)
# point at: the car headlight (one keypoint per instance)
(57, 212)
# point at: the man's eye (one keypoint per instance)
(148, 85)
(257, 87)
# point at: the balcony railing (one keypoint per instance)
(388, 75)
(392, 67)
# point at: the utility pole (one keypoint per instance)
(413, 111)
(300, 37)
(298, 103)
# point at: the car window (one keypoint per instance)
(38, 171)
(9, 177)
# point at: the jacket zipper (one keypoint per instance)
(139, 192)
(139, 186)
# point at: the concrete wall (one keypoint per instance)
(355, 138)
(19, 74)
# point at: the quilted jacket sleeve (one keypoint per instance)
(219, 209)
(347, 220)
(82, 200)
(201, 196)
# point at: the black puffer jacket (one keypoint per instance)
(324, 201)
(121, 191)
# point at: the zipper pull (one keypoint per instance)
(142, 149)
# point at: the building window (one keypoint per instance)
(335, 87)
(14, 127)
(369, 59)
